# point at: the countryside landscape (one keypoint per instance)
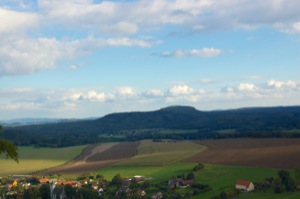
(225, 155)
(149, 99)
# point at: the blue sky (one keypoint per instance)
(85, 58)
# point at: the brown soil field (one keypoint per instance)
(271, 153)
(97, 157)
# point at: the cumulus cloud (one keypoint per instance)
(273, 92)
(247, 87)
(282, 84)
(125, 91)
(13, 21)
(180, 90)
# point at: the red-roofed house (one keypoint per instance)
(244, 185)
(44, 181)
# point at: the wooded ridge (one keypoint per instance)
(243, 122)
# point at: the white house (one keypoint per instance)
(244, 185)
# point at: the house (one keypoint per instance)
(186, 183)
(44, 181)
(95, 185)
(125, 184)
(139, 179)
(244, 185)
(174, 182)
(141, 192)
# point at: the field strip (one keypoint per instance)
(99, 149)
(163, 153)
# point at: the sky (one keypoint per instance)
(89, 58)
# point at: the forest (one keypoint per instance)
(186, 123)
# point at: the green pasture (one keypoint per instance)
(269, 194)
(33, 159)
(156, 173)
(223, 178)
(163, 153)
(219, 177)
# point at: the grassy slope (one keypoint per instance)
(32, 159)
(163, 153)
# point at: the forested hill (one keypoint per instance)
(270, 121)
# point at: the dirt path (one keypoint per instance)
(272, 153)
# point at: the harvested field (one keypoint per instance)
(272, 153)
(120, 151)
(97, 157)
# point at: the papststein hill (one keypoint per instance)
(176, 122)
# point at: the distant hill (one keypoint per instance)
(267, 121)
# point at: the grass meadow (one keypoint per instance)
(34, 159)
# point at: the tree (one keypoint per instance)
(117, 180)
(8, 148)
(190, 176)
(70, 191)
(297, 174)
(45, 191)
(284, 175)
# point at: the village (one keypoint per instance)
(95, 186)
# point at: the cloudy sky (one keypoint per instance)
(86, 58)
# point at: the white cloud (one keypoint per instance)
(89, 101)
(12, 21)
(247, 87)
(121, 17)
(283, 84)
(26, 55)
(125, 91)
(180, 90)
(204, 53)
(154, 93)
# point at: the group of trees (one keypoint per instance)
(8, 148)
(284, 183)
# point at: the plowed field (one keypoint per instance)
(272, 153)
(97, 157)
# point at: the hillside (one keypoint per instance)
(248, 122)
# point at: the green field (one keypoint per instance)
(269, 195)
(163, 153)
(219, 177)
(33, 159)
(156, 173)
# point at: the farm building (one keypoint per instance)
(244, 185)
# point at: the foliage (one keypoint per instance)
(117, 179)
(284, 182)
(70, 191)
(297, 175)
(190, 176)
(8, 148)
(198, 167)
(45, 191)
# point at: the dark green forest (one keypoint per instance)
(244, 122)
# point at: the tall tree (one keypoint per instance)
(8, 148)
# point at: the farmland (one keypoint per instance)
(225, 161)
(163, 153)
(269, 152)
(35, 159)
